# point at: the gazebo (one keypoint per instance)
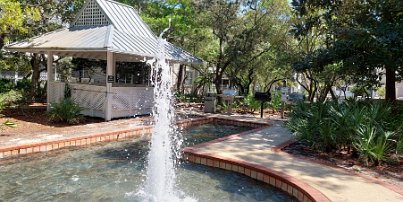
(113, 32)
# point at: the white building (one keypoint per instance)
(112, 32)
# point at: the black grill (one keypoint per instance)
(263, 96)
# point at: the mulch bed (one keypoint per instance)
(390, 171)
(34, 118)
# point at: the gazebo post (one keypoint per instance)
(110, 63)
(51, 78)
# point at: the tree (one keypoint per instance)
(13, 18)
(264, 63)
(49, 16)
(362, 36)
(240, 29)
(184, 31)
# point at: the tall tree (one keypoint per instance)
(13, 18)
(264, 63)
(362, 36)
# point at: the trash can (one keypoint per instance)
(210, 102)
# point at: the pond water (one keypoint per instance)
(115, 171)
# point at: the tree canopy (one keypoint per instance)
(319, 45)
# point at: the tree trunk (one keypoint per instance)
(179, 84)
(2, 38)
(334, 96)
(217, 83)
(390, 86)
(323, 94)
(35, 63)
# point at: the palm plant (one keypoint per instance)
(372, 144)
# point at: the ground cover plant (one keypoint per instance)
(66, 111)
(369, 131)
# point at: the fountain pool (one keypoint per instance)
(116, 170)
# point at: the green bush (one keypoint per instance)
(399, 148)
(6, 85)
(11, 97)
(372, 143)
(251, 103)
(369, 129)
(275, 102)
(66, 111)
(24, 85)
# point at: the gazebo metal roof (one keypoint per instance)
(104, 26)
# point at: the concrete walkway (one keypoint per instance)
(336, 184)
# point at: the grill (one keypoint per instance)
(262, 97)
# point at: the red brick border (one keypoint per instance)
(300, 190)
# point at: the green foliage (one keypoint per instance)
(7, 123)
(13, 17)
(66, 111)
(275, 102)
(381, 92)
(24, 85)
(251, 103)
(372, 143)
(6, 85)
(368, 128)
(359, 90)
(399, 147)
(360, 36)
(186, 97)
(11, 97)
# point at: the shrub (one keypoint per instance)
(24, 85)
(6, 85)
(370, 129)
(399, 148)
(11, 97)
(66, 111)
(372, 144)
(275, 102)
(7, 123)
(313, 124)
(251, 103)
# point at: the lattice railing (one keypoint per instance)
(89, 97)
(55, 91)
(131, 101)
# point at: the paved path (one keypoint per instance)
(57, 133)
(337, 185)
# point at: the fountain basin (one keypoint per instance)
(114, 171)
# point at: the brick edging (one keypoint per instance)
(85, 140)
(300, 190)
(392, 187)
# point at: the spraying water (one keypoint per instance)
(160, 181)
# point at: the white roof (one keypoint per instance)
(101, 26)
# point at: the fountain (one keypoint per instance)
(165, 141)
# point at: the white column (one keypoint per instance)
(15, 77)
(51, 78)
(110, 63)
